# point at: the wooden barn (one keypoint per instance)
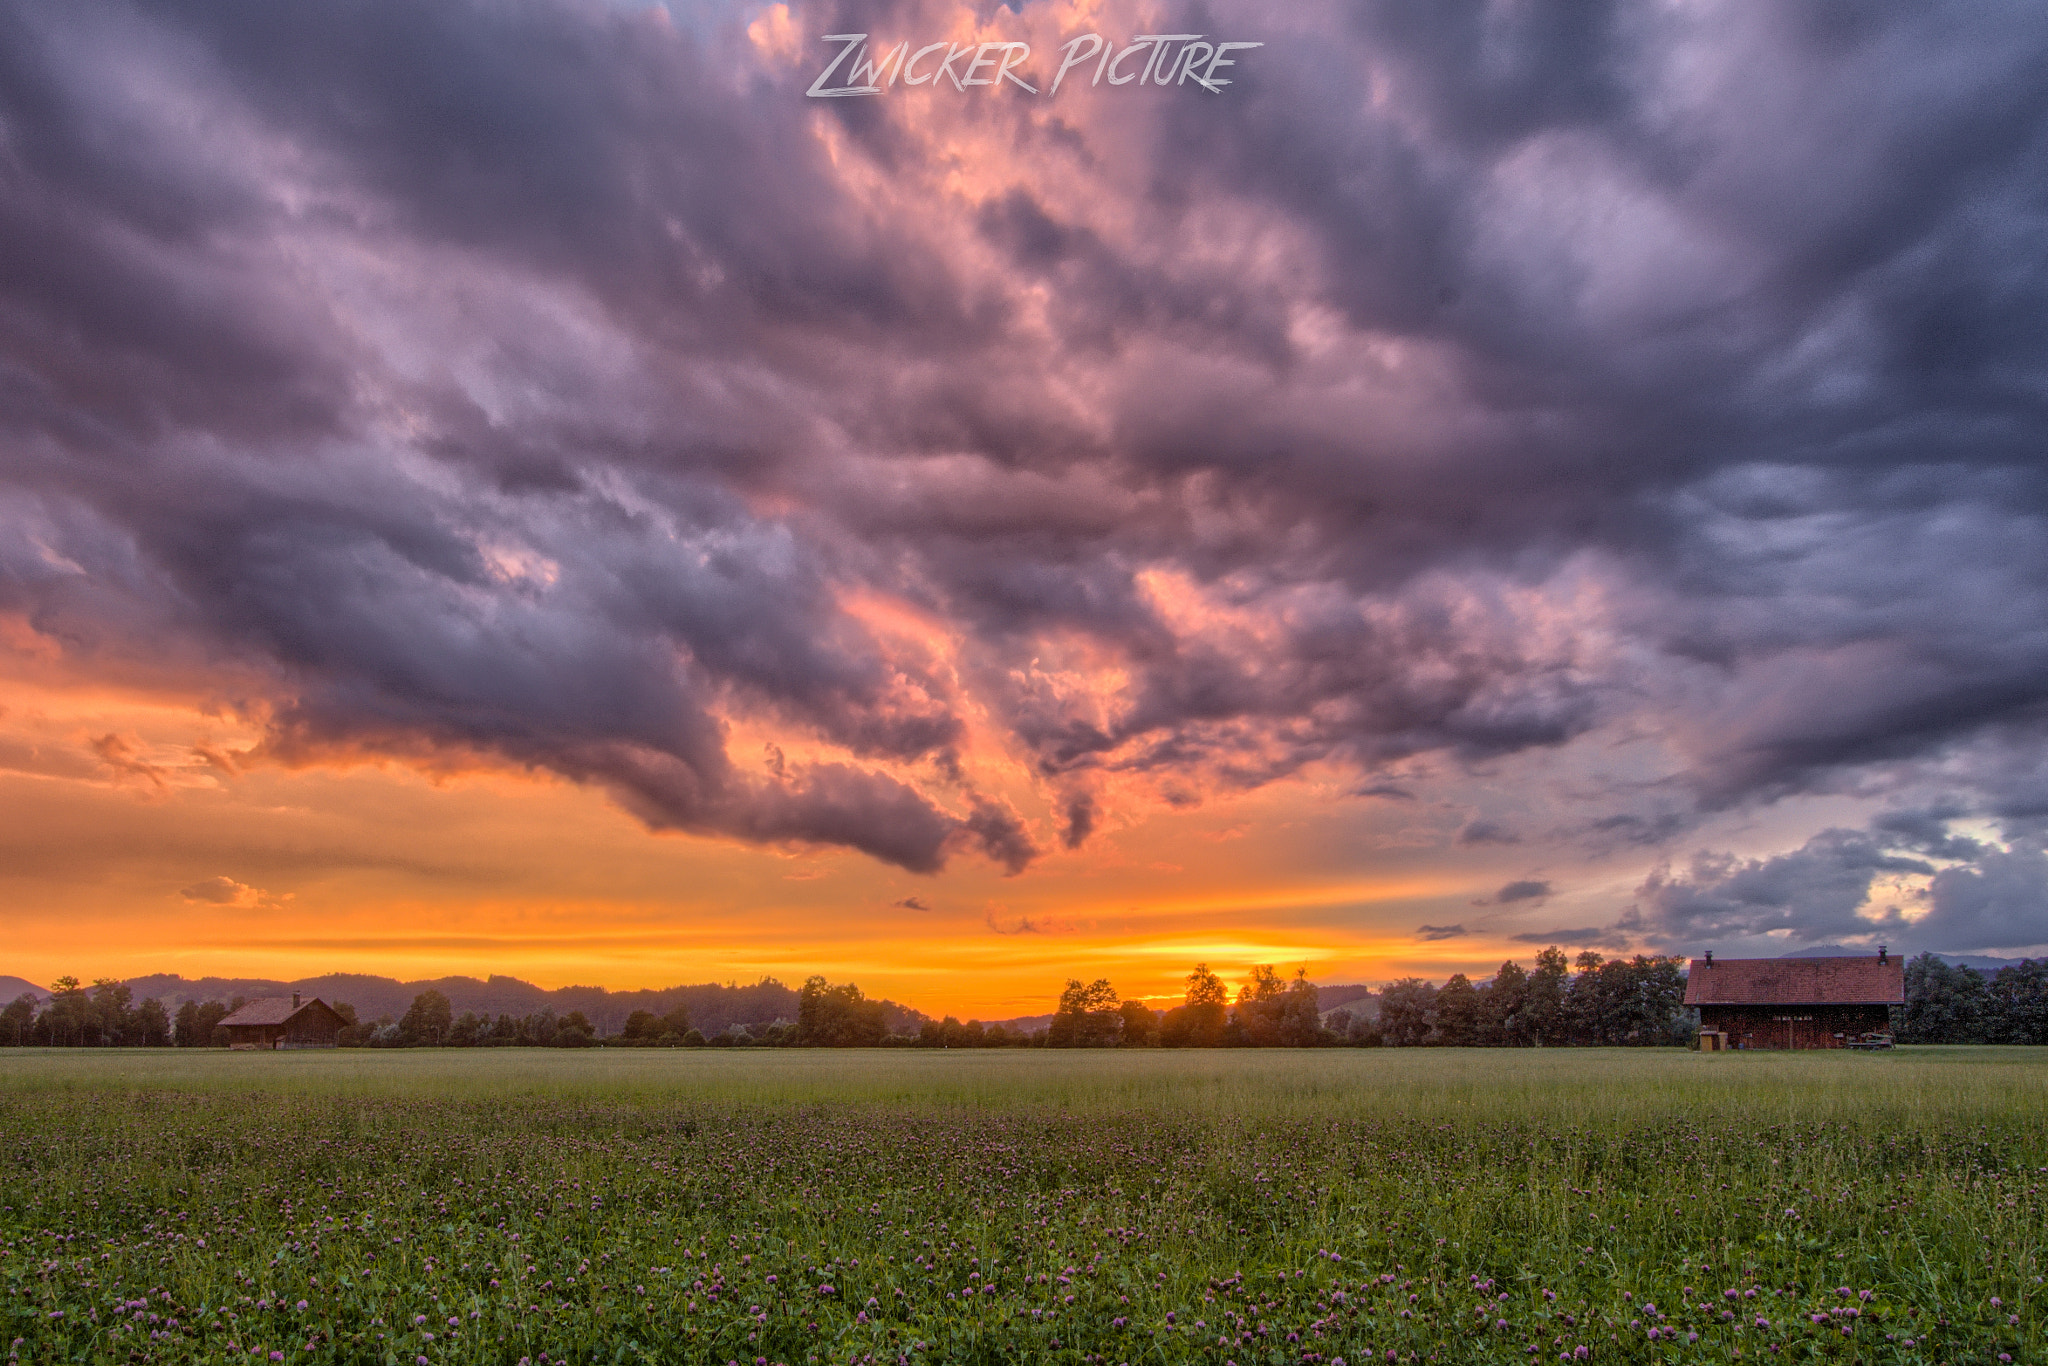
(284, 1022)
(1794, 1002)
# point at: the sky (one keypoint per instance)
(530, 489)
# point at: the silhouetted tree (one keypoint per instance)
(1199, 1021)
(1087, 1016)
(1141, 1025)
(837, 1017)
(1271, 1013)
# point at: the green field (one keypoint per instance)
(796, 1206)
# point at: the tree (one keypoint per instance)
(1088, 1016)
(575, 1032)
(2018, 1003)
(1542, 1017)
(1358, 1030)
(107, 1016)
(204, 1026)
(1583, 1003)
(1405, 1010)
(1272, 1013)
(1141, 1025)
(1506, 1000)
(1459, 1013)
(429, 1019)
(151, 1026)
(64, 1020)
(354, 1032)
(1944, 1004)
(642, 1025)
(830, 1016)
(1199, 1020)
(18, 1020)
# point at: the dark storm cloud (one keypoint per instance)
(1984, 896)
(542, 383)
(2000, 901)
(1478, 831)
(1814, 892)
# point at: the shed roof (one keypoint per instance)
(275, 1010)
(1863, 980)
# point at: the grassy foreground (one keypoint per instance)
(1022, 1206)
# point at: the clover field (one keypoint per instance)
(1022, 1206)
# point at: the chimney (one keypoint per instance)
(1883, 951)
(1710, 958)
(295, 1000)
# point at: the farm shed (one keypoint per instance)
(284, 1022)
(1794, 1002)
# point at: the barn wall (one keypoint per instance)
(1794, 1026)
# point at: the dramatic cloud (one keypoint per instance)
(1815, 892)
(1999, 902)
(1988, 898)
(553, 387)
(1432, 933)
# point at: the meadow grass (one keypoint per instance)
(784, 1206)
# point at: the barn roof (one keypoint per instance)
(1864, 980)
(274, 1010)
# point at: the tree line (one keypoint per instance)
(1589, 1000)
(1948, 1004)
(1633, 1002)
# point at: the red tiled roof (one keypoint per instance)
(1797, 981)
(273, 1010)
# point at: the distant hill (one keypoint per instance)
(1023, 1024)
(1329, 998)
(12, 988)
(713, 1008)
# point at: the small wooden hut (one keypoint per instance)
(284, 1022)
